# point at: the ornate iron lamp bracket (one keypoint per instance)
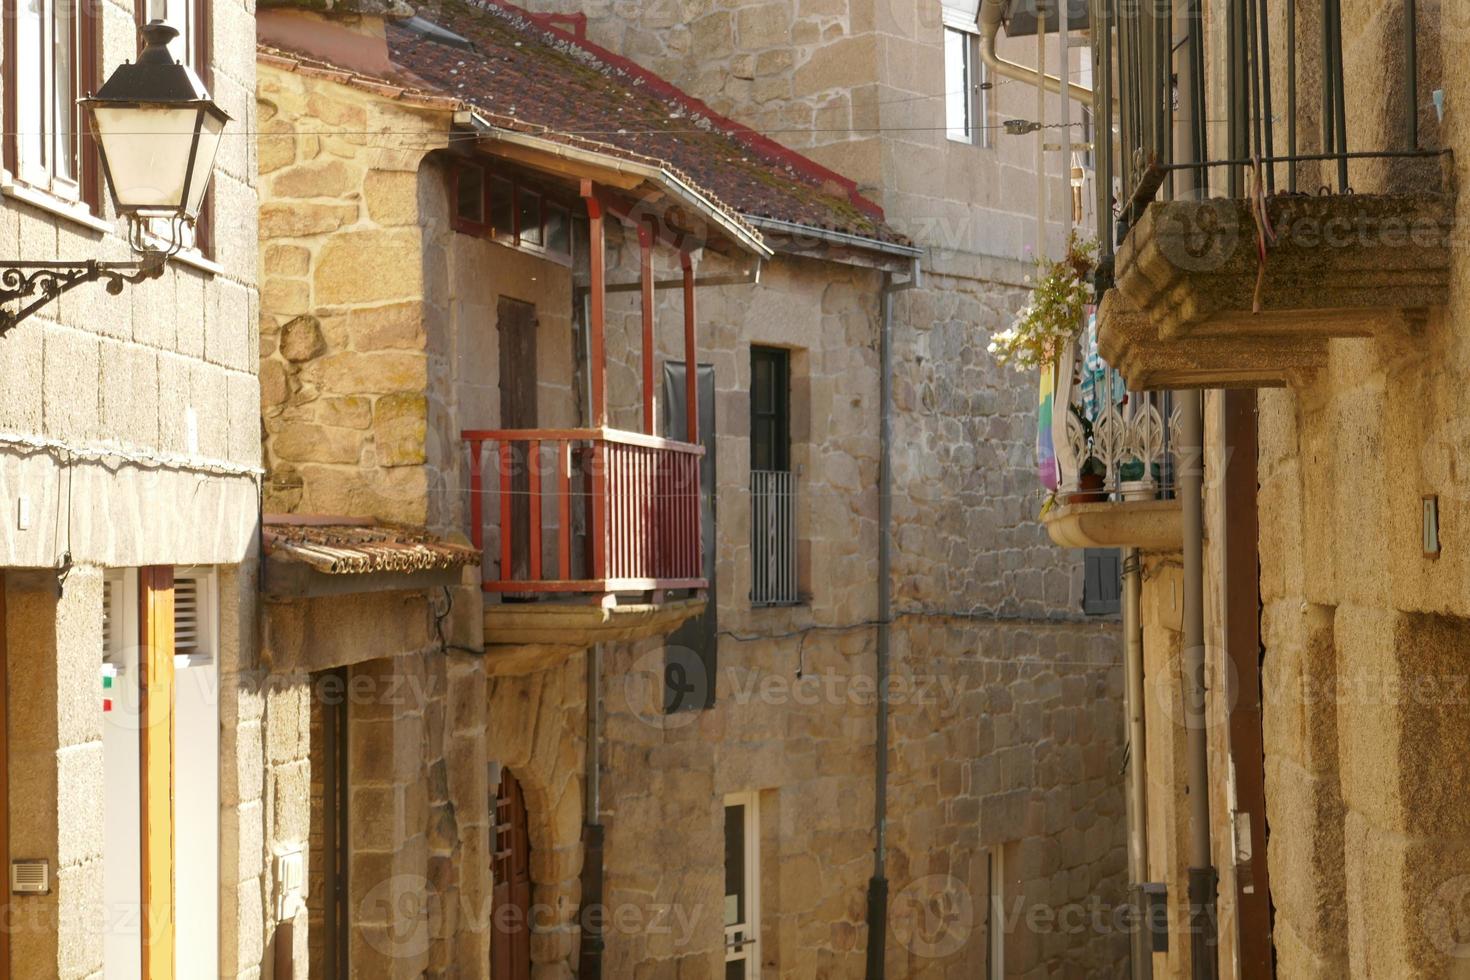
(21, 281)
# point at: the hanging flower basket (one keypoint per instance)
(1054, 313)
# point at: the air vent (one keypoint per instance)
(186, 615)
(30, 877)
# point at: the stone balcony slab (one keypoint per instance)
(524, 637)
(1338, 265)
(1129, 342)
(1149, 525)
(1350, 265)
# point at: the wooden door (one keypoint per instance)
(156, 763)
(327, 905)
(517, 327)
(510, 910)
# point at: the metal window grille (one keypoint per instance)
(773, 538)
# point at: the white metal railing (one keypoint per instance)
(1113, 444)
(773, 538)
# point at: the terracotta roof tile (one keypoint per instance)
(522, 72)
(524, 67)
(349, 548)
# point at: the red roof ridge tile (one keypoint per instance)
(669, 90)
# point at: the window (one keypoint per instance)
(51, 61)
(1102, 584)
(967, 96)
(511, 213)
(995, 913)
(770, 408)
(469, 196)
(191, 19)
(773, 540)
(742, 887)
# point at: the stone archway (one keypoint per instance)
(537, 730)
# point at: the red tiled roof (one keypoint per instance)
(524, 71)
(340, 546)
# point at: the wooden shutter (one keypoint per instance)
(1102, 586)
(156, 751)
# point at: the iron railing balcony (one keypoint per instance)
(1233, 265)
(1116, 464)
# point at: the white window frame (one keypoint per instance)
(743, 939)
(196, 761)
(996, 940)
(976, 100)
(122, 879)
(182, 16)
(47, 154)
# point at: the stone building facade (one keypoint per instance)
(130, 465)
(1023, 763)
(377, 350)
(1340, 410)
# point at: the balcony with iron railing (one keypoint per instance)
(1115, 459)
(1238, 260)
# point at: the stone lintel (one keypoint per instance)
(1341, 266)
(1149, 525)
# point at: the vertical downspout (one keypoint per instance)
(589, 963)
(1202, 876)
(878, 884)
(1136, 800)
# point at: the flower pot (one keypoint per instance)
(1131, 490)
(1091, 489)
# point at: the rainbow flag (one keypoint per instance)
(1046, 450)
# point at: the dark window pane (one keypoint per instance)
(469, 202)
(735, 970)
(502, 197)
(770, 409)
(558, 230)
(734, 864)
(528, 205)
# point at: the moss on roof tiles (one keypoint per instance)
(519, 68)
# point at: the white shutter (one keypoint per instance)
(194, 630)
(962, 15)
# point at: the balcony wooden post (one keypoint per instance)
(597, 319)
(645, 249)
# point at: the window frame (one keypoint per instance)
(519, 191)
(780, 359)
(748, 951)
(978, 103)
(198, 32)
(82, 188)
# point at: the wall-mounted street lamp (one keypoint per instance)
(158, 132)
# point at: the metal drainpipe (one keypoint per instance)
(1136, 799)
(589, 964)
(878, 884)
(990, 18)
(1202, 877)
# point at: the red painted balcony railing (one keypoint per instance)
(631, 501)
